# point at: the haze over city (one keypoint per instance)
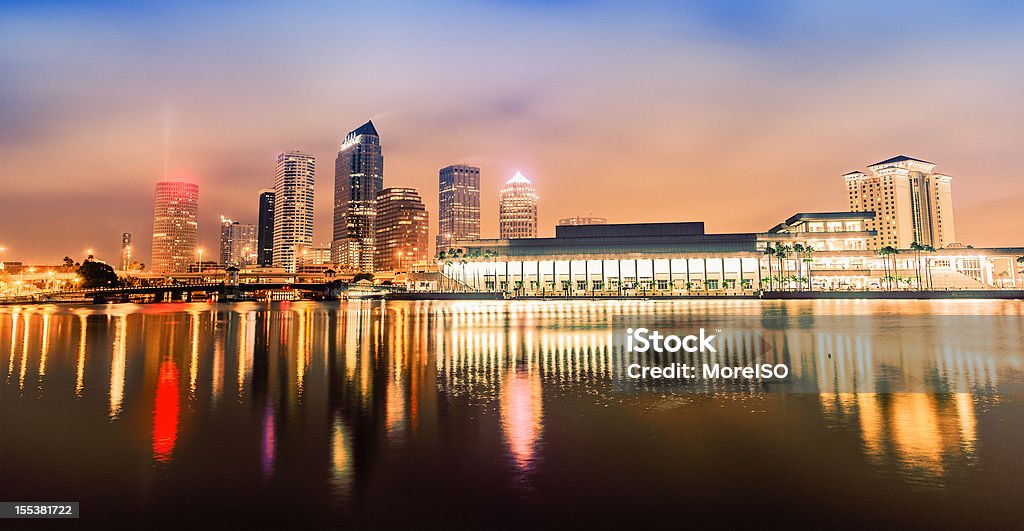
(725, 113)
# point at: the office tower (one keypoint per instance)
(126, 250)
(225, 240)
(582, 220)
(315, 256)
(401, 230)
(911, 202)
(237, 243)
(293, 207)
(175, 226)
(517, 215)
(265, 229)
(458, 199)
(358, 178)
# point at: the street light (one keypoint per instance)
(200, 251)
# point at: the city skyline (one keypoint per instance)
(742, 116)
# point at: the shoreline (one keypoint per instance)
(771, 295)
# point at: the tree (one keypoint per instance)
(782, 252)
(769, 253)
(808, 260)
(69, 263)
(362, 276)
(917, 248)
(928, 265)
(885, 253)
(97, 275)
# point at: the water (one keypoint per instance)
(507, 414)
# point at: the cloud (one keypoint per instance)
(722, 112)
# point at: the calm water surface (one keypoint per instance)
(506, 414)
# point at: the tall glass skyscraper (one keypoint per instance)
(358, 178)
(517, 215)
(293, 207)
(237, 243)
(265, 228)
(401, 230)
(175, 226)
(458, 199)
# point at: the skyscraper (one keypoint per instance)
(237, 243)
(175, 226)
(126, 250)
(265, 229)
(911, 202)
(401, 230)
(358, 178)
(517, 216)
(458, 198)
(225, 239)
(293, 207)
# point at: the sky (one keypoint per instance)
(737, 114)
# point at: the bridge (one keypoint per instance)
(186, 292)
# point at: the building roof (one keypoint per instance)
(365, 129)
(806, 216)
(518, 178)
(900, 158)
(820, 216)
(630, 230)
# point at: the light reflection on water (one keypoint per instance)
(357, 386)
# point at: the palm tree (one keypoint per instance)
(885, 252)
(769, 252)
(808, 260)
(928, 265)
(782, 252)
(798, 249)
(917, 248)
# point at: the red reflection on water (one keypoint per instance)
(165, 412)
(268, 442)
(522, 413)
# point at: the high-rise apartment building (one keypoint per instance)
(175, 226)
(237, 243)
(911, 202)
(517, 217)
(126, 250)
(293, 207)
(358, 178)
(582, 220)
(265, 229)
(401, 230)
(458, 199)
(225, 240)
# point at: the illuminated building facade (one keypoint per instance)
(458, 205)
(582, 220)
(517, 216)
(238, 243)
(293, 207)
(265, 228)
(823, 251)
(402, 224)
(358, 178)
(175, 226)
(911, 201)
(126, 251)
